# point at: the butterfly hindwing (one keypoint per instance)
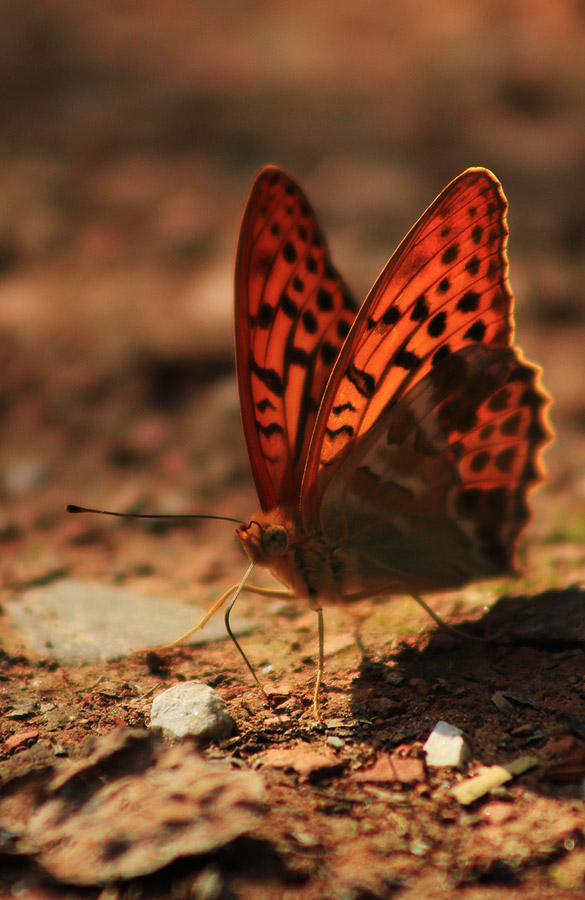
(435, 494)
(293, 312)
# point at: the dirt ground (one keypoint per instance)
(129, 141)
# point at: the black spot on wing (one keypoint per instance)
(349, 302)
(311, 264)
(324, 300)
(288, 305)
(265, 316)
(437, 325)
(479, 461)
(334, 433)
(296, 356)
(509, 427)
(309, 322)
(472, 265)
(476, 332)
(363, 382)
(469, 302)
(505, 459)
(420, 310)
(269, 430)
(406, 359)
(342, 407)
(499, 400)
(265, 404)
(269, 378)
(328, 353)
(442, 353)
(289, 252)
(342, 329)
(477, 234)
(391, 316)
(450, 254)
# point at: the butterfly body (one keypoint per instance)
(392, 447)
(306, 563)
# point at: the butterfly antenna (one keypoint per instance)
(72, 508)
(233, 637)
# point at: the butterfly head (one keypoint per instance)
(274, 540)
(263, 542)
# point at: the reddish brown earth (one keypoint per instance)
(129, 141)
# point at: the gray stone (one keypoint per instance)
(82, 621)
(191, 709)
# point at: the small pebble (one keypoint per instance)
(191, 709)
(445, 746)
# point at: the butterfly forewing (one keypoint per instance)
(445, 288)
(293, 312)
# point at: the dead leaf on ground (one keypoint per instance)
(129, 808)
(303, 759)
(387, 768)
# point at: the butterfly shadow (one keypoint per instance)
(514, 688)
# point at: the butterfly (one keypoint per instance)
(392, 445)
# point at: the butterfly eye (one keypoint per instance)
(274, 540)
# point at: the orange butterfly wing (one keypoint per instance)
(429, 431)
(292, 314)
(445, 287)
(397, 451)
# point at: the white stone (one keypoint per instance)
(191, 709)
(446, 746)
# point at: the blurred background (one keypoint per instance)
(130, 134)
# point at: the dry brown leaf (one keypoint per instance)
(129, 809)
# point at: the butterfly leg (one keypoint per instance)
(235, 640)
(255, 589)
(450, 629)
(314, 604)
(183, 637)
(269, 592)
